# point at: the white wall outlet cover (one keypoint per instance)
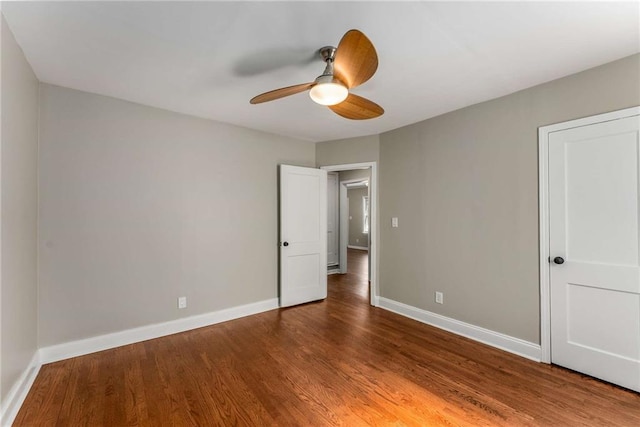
(394, 221)
(182, 302)
(439, 297)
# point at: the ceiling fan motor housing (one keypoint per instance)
(327, 53)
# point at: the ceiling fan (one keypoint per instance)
(352, 63)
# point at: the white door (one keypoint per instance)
(333, 242)
(303, 235)
(593, 243)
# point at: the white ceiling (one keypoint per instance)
(208, 59)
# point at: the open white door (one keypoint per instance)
(594, 250)
(303, 235)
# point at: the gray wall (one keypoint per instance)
(19, 178)
(356, 217)
(464, 186)
(355, 174)
(352, 150)
(139, 206)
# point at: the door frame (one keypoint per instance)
(543, 214)
(336, 215)
(374, 296)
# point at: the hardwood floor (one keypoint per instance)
(336, 362)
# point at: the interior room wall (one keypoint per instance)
(345, 151)
(19, 198)
(356, 217)
(355, 174)
(464, 186)
(140, 206)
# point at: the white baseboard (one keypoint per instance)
(103, 342)
(495, 339)
(362, 248)
(11, 405)
(376, 301)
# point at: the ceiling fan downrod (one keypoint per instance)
(328, 54)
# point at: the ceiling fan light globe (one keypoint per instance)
(329, 93)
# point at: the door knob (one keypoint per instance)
(558, 260)
(285, 244)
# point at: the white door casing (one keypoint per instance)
(592, 223)
(303, 235)
(373, 223)
(333, 225)
(344, 228)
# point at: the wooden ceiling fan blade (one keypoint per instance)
(280, 93)
(357, 108)
(356, 59)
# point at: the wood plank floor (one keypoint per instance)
(337, 362)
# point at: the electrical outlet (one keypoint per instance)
(182, 302)
(394, 222)
(439, 297)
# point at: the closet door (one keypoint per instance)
(594, 250)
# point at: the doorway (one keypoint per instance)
(349, 172)
(347, 217)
